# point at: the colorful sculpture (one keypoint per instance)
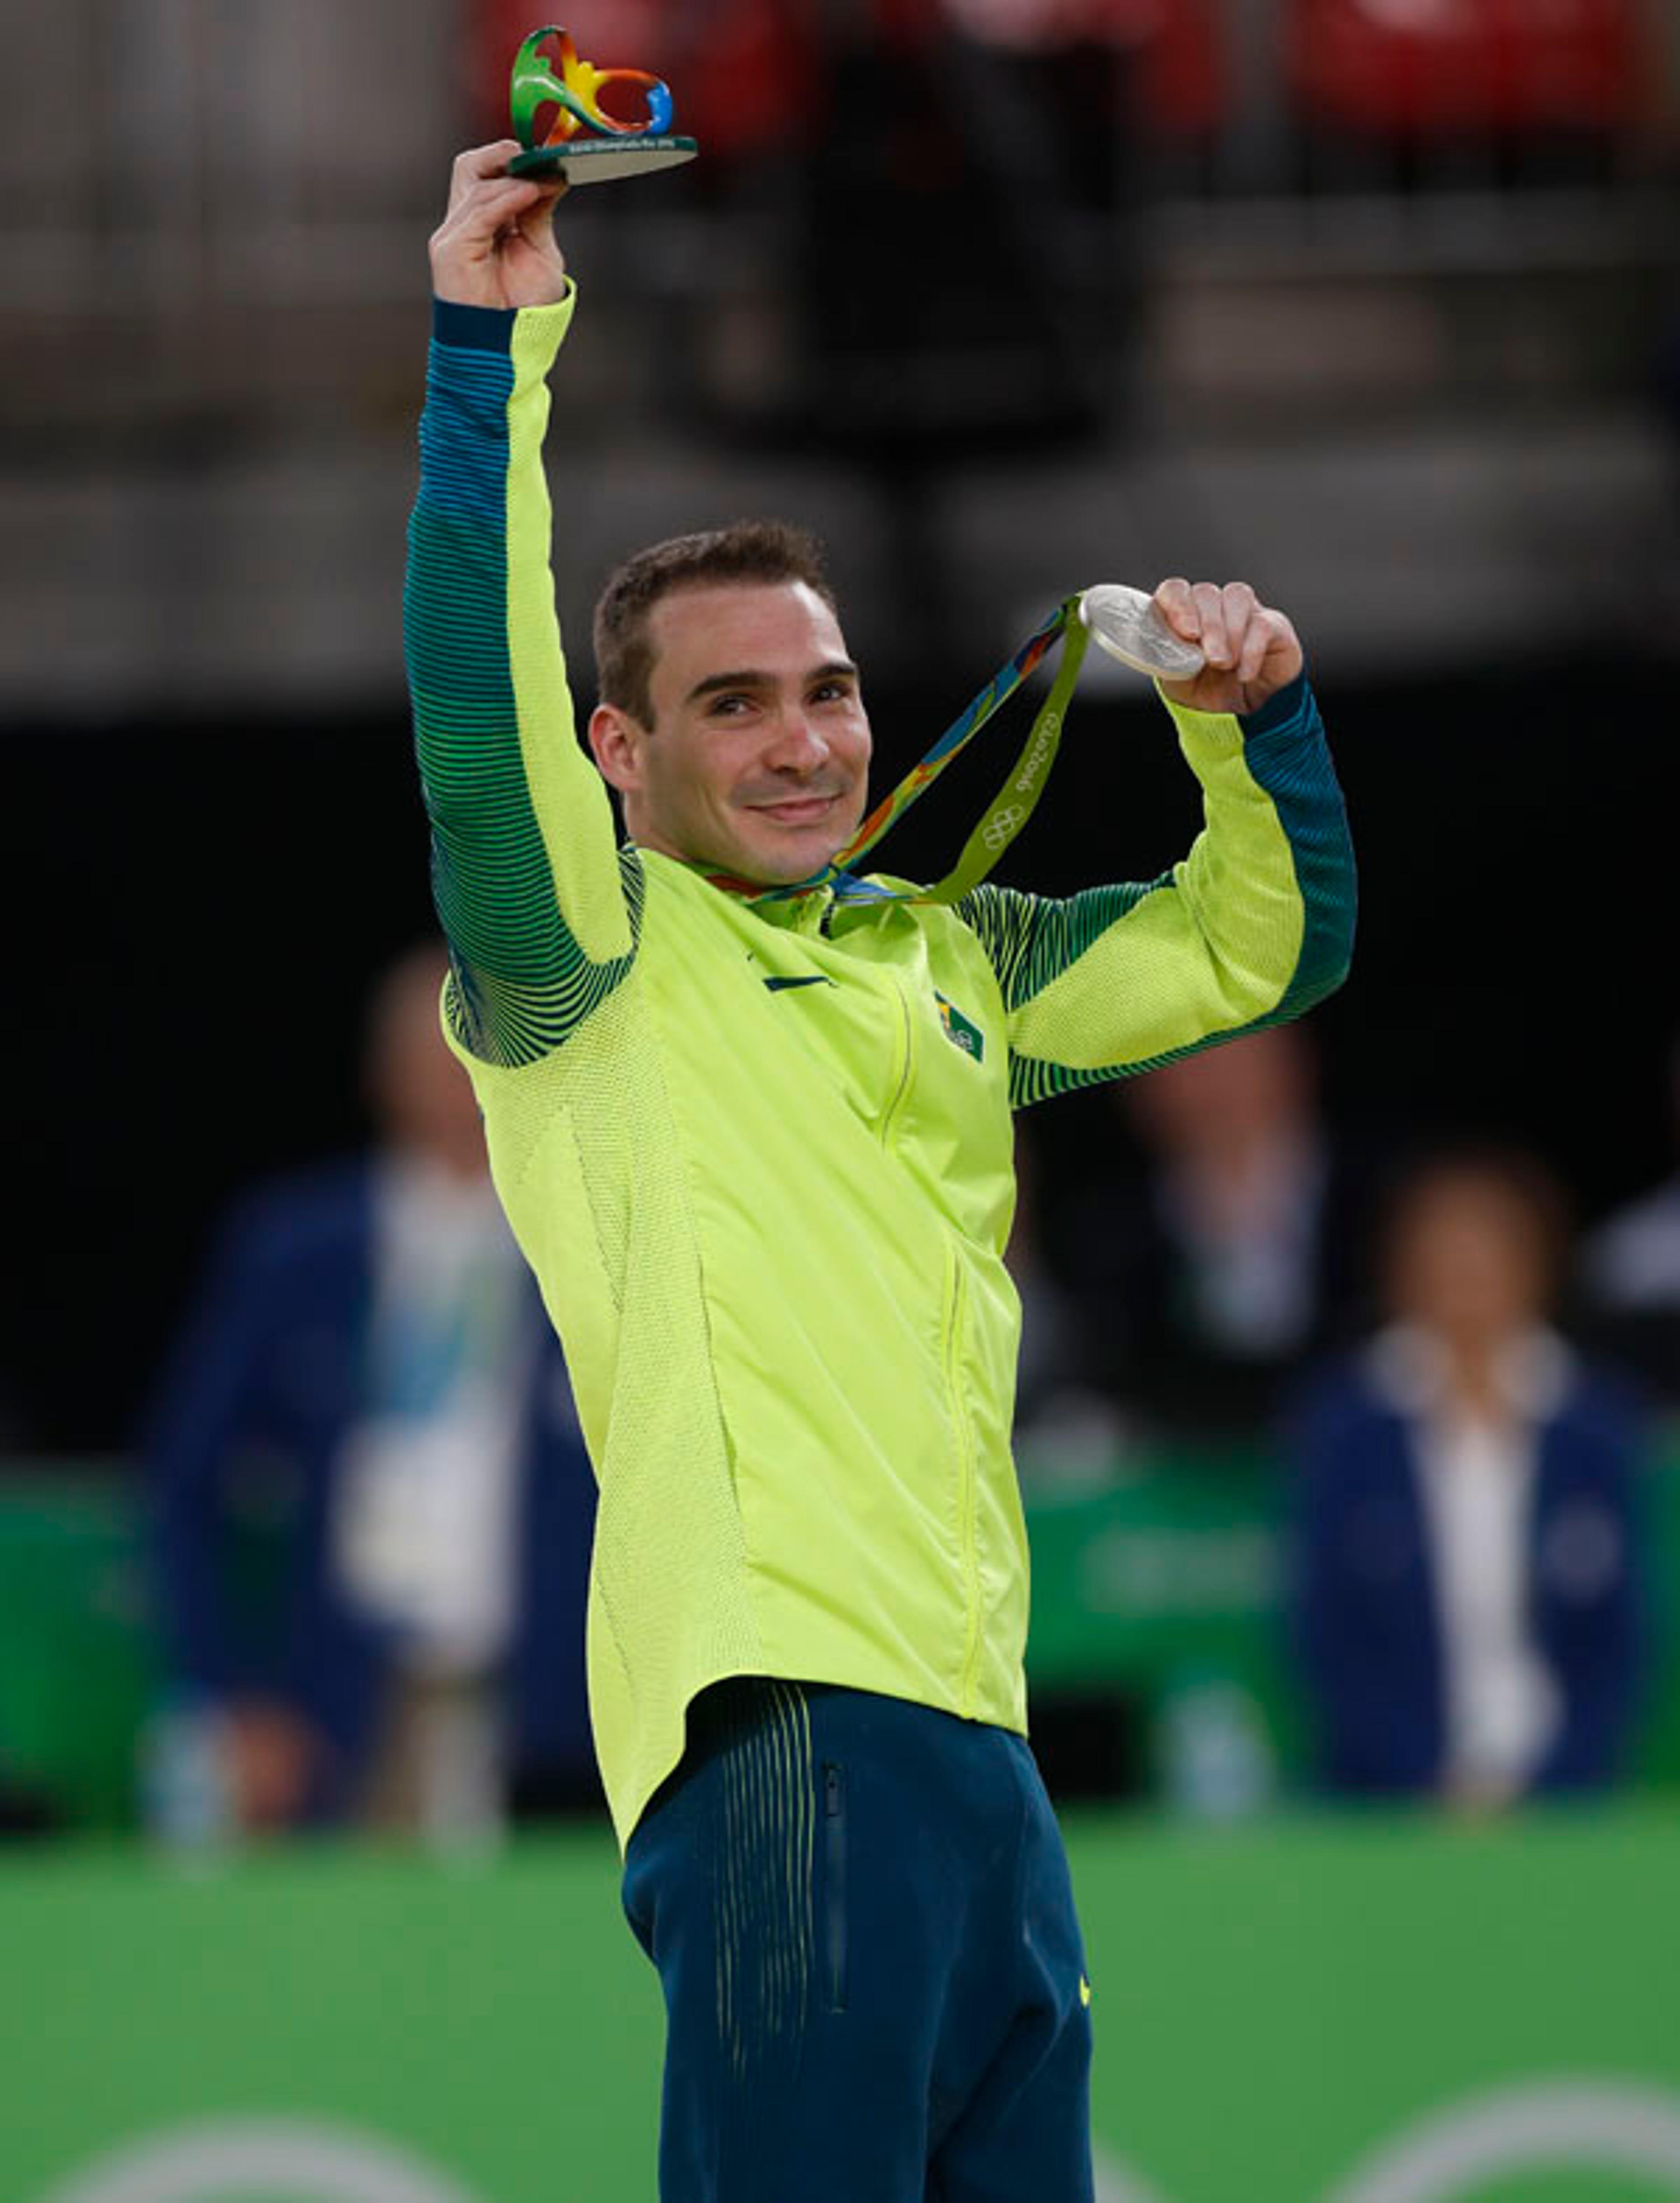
(584, 141)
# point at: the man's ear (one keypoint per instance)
(616, 739)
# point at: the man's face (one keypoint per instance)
(758, 757)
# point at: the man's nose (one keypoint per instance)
(798, 744)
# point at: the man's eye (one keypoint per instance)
(832, 692)
(727, 706)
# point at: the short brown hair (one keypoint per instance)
(751, 553)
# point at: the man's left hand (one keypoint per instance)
(1252, 651)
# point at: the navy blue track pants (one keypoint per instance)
(874, 1984)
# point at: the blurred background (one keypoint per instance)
(1352, 1368)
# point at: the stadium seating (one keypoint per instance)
(1413, 68)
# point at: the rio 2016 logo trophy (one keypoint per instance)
(560, 121)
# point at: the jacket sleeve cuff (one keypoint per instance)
(1291, 703)
(1291, 707)
(490, 328)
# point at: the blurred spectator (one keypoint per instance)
(1066, 1432)
(1208, 1276)
(1631, 1277)
(1467, 1606)
(956, 158)
(368, 1383)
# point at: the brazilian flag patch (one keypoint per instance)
(961, 1031)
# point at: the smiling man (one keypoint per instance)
(731, 719)
(757, 1148)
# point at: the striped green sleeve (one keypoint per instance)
(538, 906)
(1254, 927)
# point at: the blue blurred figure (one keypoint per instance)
(1467, 1600)
(368, 1380)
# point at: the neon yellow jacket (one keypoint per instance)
(758, 1155)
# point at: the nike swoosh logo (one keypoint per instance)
(814, 979)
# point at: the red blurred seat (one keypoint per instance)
(1416, 68)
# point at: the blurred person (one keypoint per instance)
(369, 1379)
(1208, 1274)
(757, 1145)
(1066, 1431)
(1467, 1597)
(1629, 1279)
(1067, 1439)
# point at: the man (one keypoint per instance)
(1468, 1608)
(1230, 1250)
(758, 1152)
(367, 1374)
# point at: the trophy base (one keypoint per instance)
(603, 160)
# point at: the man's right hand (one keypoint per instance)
(496, 246)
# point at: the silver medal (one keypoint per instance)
(1126, 624)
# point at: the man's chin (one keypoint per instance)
(784, 869)
(781, 857)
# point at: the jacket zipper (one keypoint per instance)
(965, 1452)
(834, 1882)
(907, 1035)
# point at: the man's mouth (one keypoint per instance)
(797, 810)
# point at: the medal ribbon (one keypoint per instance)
(1008, 810)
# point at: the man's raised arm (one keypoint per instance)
(1255, 925)
(525, 867)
